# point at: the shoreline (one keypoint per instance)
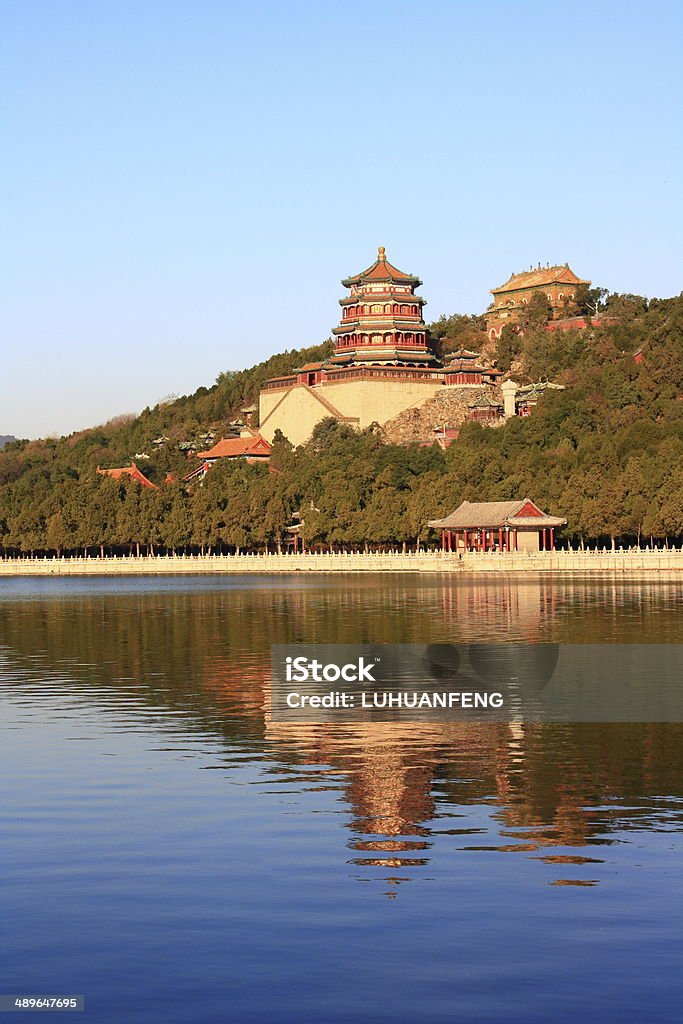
(552, 562)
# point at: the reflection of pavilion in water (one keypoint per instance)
(494, 611)
(463, 609)
(534, 781)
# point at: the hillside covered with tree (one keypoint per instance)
(607, 453)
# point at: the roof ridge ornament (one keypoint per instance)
(381, 254)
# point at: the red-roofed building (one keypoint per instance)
(252, 448)
(133, 471)
(518, 525)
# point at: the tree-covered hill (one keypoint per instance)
(607, 452)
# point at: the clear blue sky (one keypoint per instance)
(184, 183)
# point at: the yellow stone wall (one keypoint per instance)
(379, 400)
(296, 411)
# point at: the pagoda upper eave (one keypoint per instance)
(379, 353)
(375, 278)
(368, 326)
(388, 296)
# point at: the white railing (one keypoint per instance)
(560, 560)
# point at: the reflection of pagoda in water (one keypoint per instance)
(531, 780)
(538, 788)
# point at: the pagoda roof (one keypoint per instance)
(374, 324)
(388, 295)
(381, 270)
(540, 278)
(491, 514)
(381, 354)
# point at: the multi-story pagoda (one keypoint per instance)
(382, 319)
(382, 362)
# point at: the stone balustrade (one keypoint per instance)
(377, 561)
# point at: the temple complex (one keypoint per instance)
(559, 285)
(382, 362)
(384, 370)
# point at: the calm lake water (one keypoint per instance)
(175, 856)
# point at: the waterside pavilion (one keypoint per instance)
(498, 526)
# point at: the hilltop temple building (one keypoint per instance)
(382, 362)
(559, 285)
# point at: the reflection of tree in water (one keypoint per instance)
(206, 654)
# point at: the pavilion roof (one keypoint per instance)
(469, 365)
(485, 402)
(536, 390)
(473, 515)
(463, 353)
(381, 270)
(539, 278)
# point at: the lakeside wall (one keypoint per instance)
(339, 562)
